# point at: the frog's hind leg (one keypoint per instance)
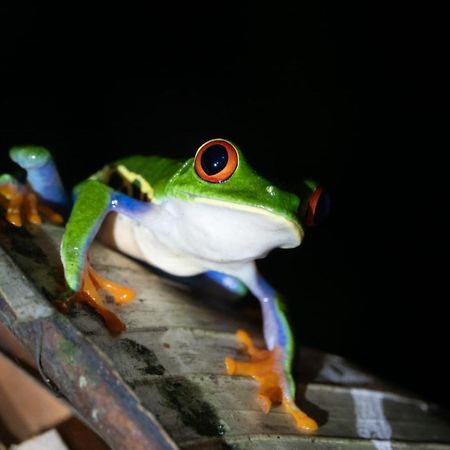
(42, 193)
(42, 174)
(228, 282)
(94, 201)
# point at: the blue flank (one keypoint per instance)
(228, 282)
(127, 205)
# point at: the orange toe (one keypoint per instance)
(265, 403)
(230, 365)
(121, 294)
(267, 368)
(50, 215)
(14, 218)
(13, 200)
(301, 419)
(31, 208)
(21, 201)
(90, 295)
(244, 338)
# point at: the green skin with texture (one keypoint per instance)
(178, 179)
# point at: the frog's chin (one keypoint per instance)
(190, 237)
(260, 212)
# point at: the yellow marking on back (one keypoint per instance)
(145, 186)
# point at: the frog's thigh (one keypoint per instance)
(42, 174)
(228, 282)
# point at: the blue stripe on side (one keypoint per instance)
(228, 282)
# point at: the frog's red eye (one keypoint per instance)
(318, 207)
(216, 160)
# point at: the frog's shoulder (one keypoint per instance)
(141, 177)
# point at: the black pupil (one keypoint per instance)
(214, 159)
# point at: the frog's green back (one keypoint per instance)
(140, 176)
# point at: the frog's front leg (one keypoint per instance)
(94, 201)
(42, 192)
(272, 367)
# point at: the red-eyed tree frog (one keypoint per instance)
(209, 214)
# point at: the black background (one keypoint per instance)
(348, 94)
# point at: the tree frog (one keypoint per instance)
(210, 214)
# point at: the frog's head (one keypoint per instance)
(219, 175)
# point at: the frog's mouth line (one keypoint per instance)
(295, 226)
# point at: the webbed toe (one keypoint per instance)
(23, 205)
(90, 293)
(267, 367)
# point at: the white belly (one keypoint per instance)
(188, 238)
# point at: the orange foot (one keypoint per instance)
(267, 368)
(89, 293)
(20, 200)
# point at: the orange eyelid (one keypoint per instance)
(227, 171)
(313, 205)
